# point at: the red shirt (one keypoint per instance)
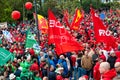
(34, 67)
(96, 72)
(20, 51)
(59, 77)
(31, 51)
(11, 50)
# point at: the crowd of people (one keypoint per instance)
(93, 63)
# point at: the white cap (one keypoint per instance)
(60, 68)
(11, 76)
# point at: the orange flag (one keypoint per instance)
(64, 42)
(42, 24)
(77, 19)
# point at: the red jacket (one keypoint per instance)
(59, 77)
(34, 67)
(109, 75)
(31, 51)
(96, 72)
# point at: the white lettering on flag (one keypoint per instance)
(54, 23)
(104, 33)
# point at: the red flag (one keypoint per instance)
(42, 24)
(101, 32)
(77, 19)
(66, 18)
(63, 41)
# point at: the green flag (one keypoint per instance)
(31, 42)
(5, 56)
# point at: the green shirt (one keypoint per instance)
(37, 78)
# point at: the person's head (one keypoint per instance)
(104, 67)
(97, 50)
(60, 70)
(117, 66)
(102, 57)
(45, 78)
(41, 54)
(62, 57)
(58, 65)
(35, 61)
(45, 66)
(15, 59)
(17, 65)
(12, 76)
(36, 73)
(112, 53)
(51, 57)
(42, 59)
(86, 53)
(50, 53)
(51, 68)
(19, 60)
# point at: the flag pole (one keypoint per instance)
(36, 21)
(38, 33)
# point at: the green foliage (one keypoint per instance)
(7, 6)
(115, 5)
(96, 4)
(5, 11)
(70, 5)
(49, 4)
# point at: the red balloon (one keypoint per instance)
(15, 15)
(28, 5)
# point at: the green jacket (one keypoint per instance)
(37, 78)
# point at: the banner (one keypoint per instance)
(101, 32)
(64, 42)
(5, 56)
(8, 36)
(3, 25)
(31, 42)
(77, 19)
(42, 24)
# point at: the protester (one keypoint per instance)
(52, 74)
(86, 63)
(12, 76)
(63, 63)
(105, 71)
(59, 74)
(96, 72)
(81, 71)
(111, 59)
(117, 68)
(48, 65)
(34, 66)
